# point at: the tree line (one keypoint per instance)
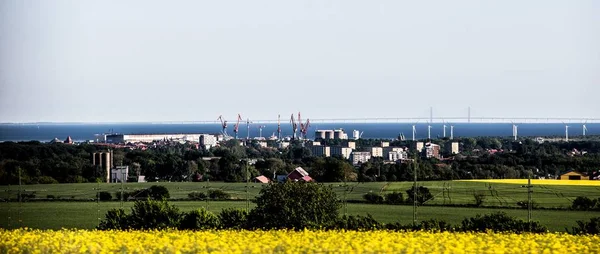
(39, 163)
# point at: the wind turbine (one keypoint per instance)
(414, 132)
(248, 126)
(429, 130)
(566, 133)
(260, 128)
(584, 128)
(444, 130)
(515, 131)
(451, 132)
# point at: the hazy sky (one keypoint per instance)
(106, 61)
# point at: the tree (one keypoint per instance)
(423, 195)
(295, 205)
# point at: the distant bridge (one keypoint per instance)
(461, 119)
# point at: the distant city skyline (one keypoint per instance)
(157, 61)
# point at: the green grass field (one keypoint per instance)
(55, 215)
(445, 192)
(84, 215)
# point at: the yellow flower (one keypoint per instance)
(285, 241)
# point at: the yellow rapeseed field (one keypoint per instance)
(229, 241)
(539, 182)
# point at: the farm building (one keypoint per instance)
(299, 174)
(261, 179)
(574, 175)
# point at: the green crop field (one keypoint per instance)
(84, 215)
(77, 214)
(445, 192)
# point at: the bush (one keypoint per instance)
(218, 194)
(295, 206)
(394, 198)
(126, 195)
(197, 195)
(115, 219)
(583, 203)
(233, 218)
(357, 223)
(199, 220)
(158, 192)
(591, 227)
(435, 225)
(479, 198)
(500, 222)
(432, 225)
(152, 214)
(373, 198)
(104, 196)
(523, 204)
(46, 180)
(423, 195)
(25, 196)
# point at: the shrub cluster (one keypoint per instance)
(104, 196)
(155, 192)
(583, 227)
(395, 198)
(197, 195)
(218, 194)
(586, 204)
(154, 214)
(301, 206)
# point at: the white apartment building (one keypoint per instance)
(345, 152)
(360, 157)
(375, 151)
(208, 141)
(323, 151)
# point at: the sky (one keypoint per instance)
(138, 61)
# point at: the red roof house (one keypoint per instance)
(297, 174)
(261, 179)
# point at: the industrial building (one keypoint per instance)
(119, 174)
(104, 161)
(148, 138)
(331, 134)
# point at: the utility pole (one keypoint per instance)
(207, 198)
(247, 180)
(20, 203)
(98, 196)
(122, 178)
(415, 193)
(529, 201)
(8, 218)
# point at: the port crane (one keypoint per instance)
(223, 125)
(294, 127)
(303, 127)
(237, 125)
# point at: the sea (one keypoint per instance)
(45, 132)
